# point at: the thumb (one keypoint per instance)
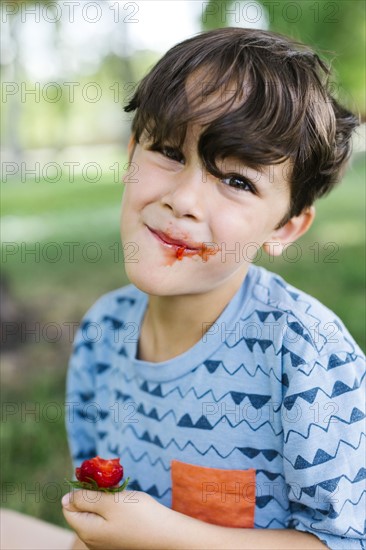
(81, 511)
(82, 501)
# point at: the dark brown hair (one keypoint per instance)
(279, 107)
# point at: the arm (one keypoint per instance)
(190, 533)
(324, 424)
(80, 391)
(135, 520)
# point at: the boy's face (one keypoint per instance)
(169, 197)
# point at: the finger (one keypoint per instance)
(84, 501)
(85, 524)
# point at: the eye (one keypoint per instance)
(172, 154)
(239, 183)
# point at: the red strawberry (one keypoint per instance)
(107, 473)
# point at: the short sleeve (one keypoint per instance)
(323, 415)
(80, 406)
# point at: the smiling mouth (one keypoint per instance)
(182, 249)
(173, 243)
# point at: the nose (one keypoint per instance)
(186, 196)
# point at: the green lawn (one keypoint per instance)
(34, 450)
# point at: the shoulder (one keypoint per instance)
(109, 317)
(118, 304)
(312, 352)
(303, 325)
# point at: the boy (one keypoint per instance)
(234, 400)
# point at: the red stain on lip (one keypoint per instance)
(181, 249)
(180, 252)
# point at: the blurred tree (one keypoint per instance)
(335, 29)
(115, 64)
(14, 11)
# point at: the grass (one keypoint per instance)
(35, 456)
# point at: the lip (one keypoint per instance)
(170, 241)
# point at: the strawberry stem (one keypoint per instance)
(93, 486)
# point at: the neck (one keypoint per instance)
(173, 324)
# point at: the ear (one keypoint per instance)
(289, 233)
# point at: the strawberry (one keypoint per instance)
(106, 473)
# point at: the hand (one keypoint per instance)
(126, 520)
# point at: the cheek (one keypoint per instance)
(238, 225)
(145, 188)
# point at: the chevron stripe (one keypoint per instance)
(331, 485)
(269, 375)
(145, 455)
(273, 524)
(356, 416)
(339, 388)
(153, 491)
(321, 456)
(187, 444)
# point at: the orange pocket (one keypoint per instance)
(222, 497)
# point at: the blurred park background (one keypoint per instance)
(67, 69)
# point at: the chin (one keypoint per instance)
(144, 282)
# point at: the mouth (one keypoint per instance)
(169, 240)
(179, 246)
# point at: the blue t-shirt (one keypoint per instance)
(274, 387)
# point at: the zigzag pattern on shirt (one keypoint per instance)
(339, 388)
(264, 344)
(85, 454)
(115, 323)
(256, 400)
(145, 455)
(271, 523)
(113, 450)
(153, 490)
(86, 396)
(269, 454)
(295, 326)
(321, 456)
(356, 416)
(357, 532)
(157, 391)
(294, 295)
(263, 501)
(83, 344)
(85, 341)
(93, 416)
(203, 424)
(296, 360)
(330, 485)
(332, 514)
(211, 366)
(263, 315)
(333, 362)
(121, 299)
(270, 475)
(262, 374)
(335, 514)
(316, 515)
